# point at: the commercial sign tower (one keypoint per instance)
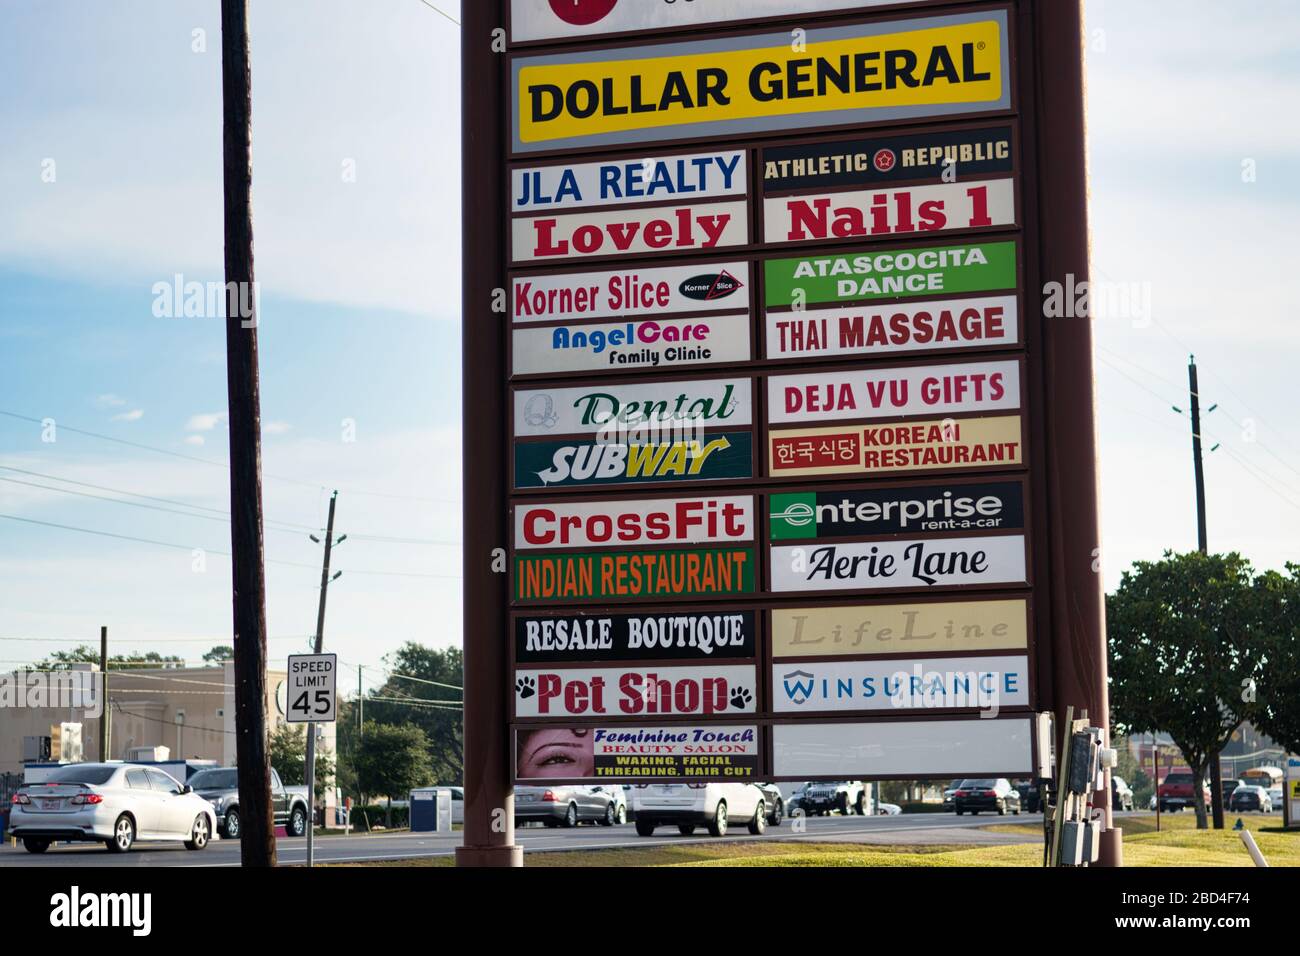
(777, 463)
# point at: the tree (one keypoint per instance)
(63, 660)
(434, 707)
(1184, 636)
(220, 654)
(289, 758)
(1277, 688)
(391, 759)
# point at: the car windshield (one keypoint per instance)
(986, 784)
(215, 780)
(94, 774)
(1179, 779)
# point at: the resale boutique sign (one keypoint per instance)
(856, 74)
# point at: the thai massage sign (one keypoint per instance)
(574, 19)
(619, 433)
(701, 690)
(854, 75)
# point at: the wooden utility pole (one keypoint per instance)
(105, 730)
(1216, 770)
(311, 727)
(248, 575)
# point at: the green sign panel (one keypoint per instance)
(793, 516)
(933, 272)
(634, 575)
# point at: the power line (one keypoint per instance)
(440, 11)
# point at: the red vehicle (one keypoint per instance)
(1176, 791)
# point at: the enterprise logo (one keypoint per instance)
(992, 506)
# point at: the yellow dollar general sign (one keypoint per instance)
(855, 75)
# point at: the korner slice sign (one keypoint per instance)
(631, 293)
(860, 214)
(622, 182)
(644, 407)
(606, 524)
(604, 752)
(626, 232)
(858, 513)
(920, 627)
(896, 565)
(894, 392)
(573, 19)
(636, 691)
(904, 749)
(944, 683)
(663, 636)
(932, 445)
(859, 74)
(867, 331)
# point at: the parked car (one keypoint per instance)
(690, 805)
(566, 806)
(115, 804)
(1250, 797)
(1031, 797)
(1121, 794)
(1227, 787)
(1275, 797)
(457, 804)
(846, 796)
(1175, 793)
(888, 810)
(774, 801)
(618, 796)
(987, 793)
(220, 787)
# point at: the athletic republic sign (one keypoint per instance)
(859, 74)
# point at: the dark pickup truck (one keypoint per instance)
(220, 787)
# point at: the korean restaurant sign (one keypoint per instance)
(631, 751)
(532, 20)
(871, 630)
(669, 635)
(636, 691)
(850, 75)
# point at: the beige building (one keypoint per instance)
(190, 711)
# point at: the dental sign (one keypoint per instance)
(769, 382)
(852, 75)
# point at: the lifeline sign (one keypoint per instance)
(857, 74)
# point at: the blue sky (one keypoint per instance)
(120, 102)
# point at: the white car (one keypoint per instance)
(1275, 797)
(113, 804)
(690, 805)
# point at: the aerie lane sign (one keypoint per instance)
(661, 636)
(312, 691)
(926, 564)
(860, 513)
(859, 74)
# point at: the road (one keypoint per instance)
(912, 829)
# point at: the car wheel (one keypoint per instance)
(621, 817)
(862, 805)
(571, 816)
(611, 815)
(974, 813)
(1002, 808)
(199, 833)
(686, 829)
(644, 827)
(35, 844)
(758, 825)
(123, 835)
(842, 804)
(778, 814)
(960, 811)
(297, 822)
(231, 825)
(718, 825)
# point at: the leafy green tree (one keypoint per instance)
(1184, 636)
(424, 690)
(391, 759)
(1277, 688)
(289, 757)
(220, 654)
(63, 660)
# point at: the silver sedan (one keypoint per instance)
(113, 804)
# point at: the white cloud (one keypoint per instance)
(109, 400)
(134, 415)
(195, 440)
(275, 428)
(205, 422)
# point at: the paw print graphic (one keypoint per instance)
(741, 698)
(526, 686)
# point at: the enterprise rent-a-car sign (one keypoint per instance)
(774, 389)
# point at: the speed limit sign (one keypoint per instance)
(312, 693)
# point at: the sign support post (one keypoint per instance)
(1054, 32)
(489, 836)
